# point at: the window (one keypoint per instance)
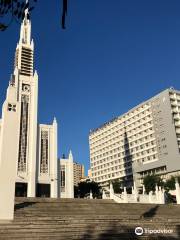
(62, 174)
(44, 152)
(11, 107)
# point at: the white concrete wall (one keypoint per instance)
(54, 161)
(33, 138)
(52, 176)
(8, 155)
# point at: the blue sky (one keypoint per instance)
(113, 55)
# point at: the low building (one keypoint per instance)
(66, 177)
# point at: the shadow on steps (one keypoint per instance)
(128, 232)
(150, 213)
(23, 205)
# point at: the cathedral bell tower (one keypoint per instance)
(28, 146)
(24, 81)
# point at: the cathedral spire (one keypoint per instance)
(70, 155)
(25, 33)
(24, 56)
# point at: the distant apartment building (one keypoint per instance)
(78, 173)
(145, 140)
(89, 174)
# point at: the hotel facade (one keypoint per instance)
(145, 140)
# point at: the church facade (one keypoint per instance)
(34, 146)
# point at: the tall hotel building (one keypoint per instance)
(145, 140)
(32, 146)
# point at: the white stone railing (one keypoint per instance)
(177, 191)
(157, 197)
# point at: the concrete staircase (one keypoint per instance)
(82, 219)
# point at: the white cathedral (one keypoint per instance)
(31, 145)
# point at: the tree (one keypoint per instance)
(117, 186)
(64, 13)
(76, 192)
(83, 189)
(170, 183)
(14, 10)
(11, 10)
(150, 182)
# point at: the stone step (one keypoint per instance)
(61, 200)
(97, 211)
(73, 232)
(80, 219)
(43, 215)
(89, 221)
(121, 219)
(77, 225)
(87, 235)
